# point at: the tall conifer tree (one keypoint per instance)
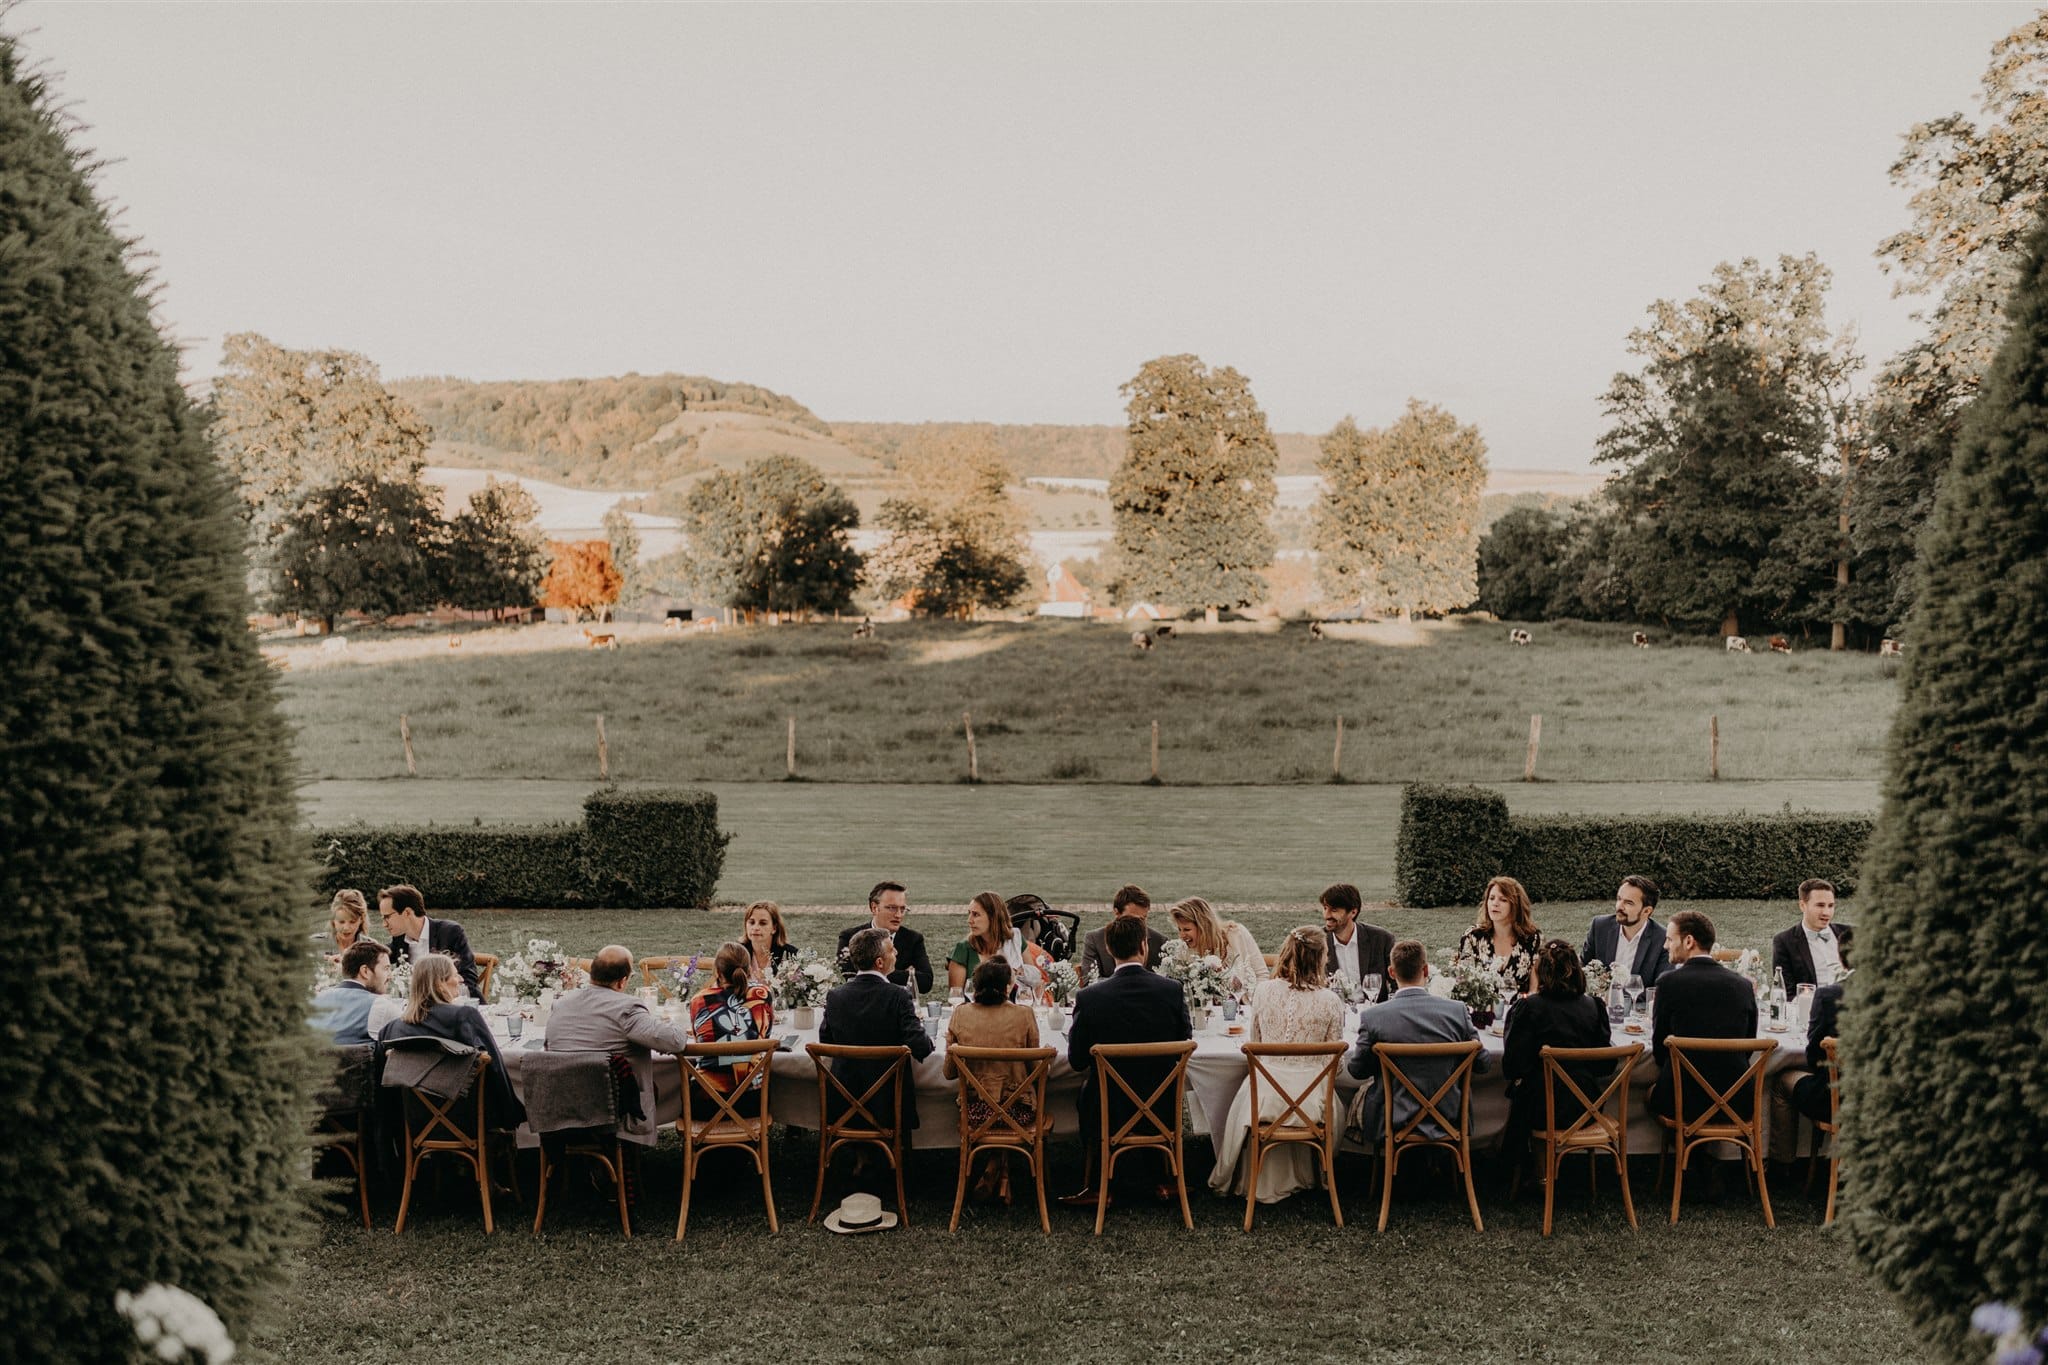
(1945, 1021)
(153, 1078)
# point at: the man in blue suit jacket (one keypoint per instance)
(1635, 909)
(1131, 1005)
(1410, 1015)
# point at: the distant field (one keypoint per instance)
(1072, 702)
(826, 843)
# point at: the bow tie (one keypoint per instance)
(1821, 935)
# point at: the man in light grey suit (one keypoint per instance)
(603, 1018)
(1410, 1015)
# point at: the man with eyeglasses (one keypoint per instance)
(404, 911)
(887, 905)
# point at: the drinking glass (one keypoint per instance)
(1650, 1002)
(515, 1024)
(1369, 985)
(1632, 991)
(1229, 1009)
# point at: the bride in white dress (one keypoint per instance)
(1293, 1007)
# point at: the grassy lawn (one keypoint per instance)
(1429, 1289)
(826, 843)
(1068, 702)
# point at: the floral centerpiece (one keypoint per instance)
(679, 977)
(399, 987)
(802, 982)
(1477, 987)
(1065, 982)
(1598, 978)
(1201, 976)
(1347, 988)
(326, 972)
(542, 967)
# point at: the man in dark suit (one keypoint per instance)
(1629, 941)
(1698, 998)
(1354, 947)
(404, 911)
(1097, 962)
(1410, 1015)
(1815, 951)
(887, 904)
(1802, 1091)
(871, 1011)
(1130, 1005)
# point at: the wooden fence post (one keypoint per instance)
(1714, 747)
(1535, 738)
(973, 764)
(1155, 751)
(1337, 757)
(405, 733)
(789, 759)
(604, 754)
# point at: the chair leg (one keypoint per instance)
(412, 1165)
(1471, 1195)
(1763, 1188)
(483, 1182)
(1834, 1175)
(1330, 1179)
(902, 1204)
(689, 1178)
(824, 1159)
(1551, 1165)
(767, 1189)
(619, 1181)
(1627, 1204)
(1386, 1185)
(1180, 1183)
(1038, 1180)
(1251, 1185)
(1677, 1177)
(363, 1175)
(540, 1210)
(1102, 1190)
(960, 1189)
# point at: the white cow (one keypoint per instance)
(1737, 645)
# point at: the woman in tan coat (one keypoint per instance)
(989, 1020)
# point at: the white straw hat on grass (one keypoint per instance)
(859, 1213)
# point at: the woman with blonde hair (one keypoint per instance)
(1293, 1007)
(766, 939)
(436, 1007)
(347, 916)
(1505, 937)
(991, 935)
(1207, 934)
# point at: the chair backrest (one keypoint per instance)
(1395, 1058)
(1833, 1050)
(1717, 1101)
(433, 1121)
(1559, 1066)
(1293, 1102)
(1112, 1060)
(695, 1081)
(1000, 1123)
(350, 1086)
(894, 1060)
(569, 1090)
(651, 967)
(486, 966)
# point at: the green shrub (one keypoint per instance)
(1945, 1029)
(1452, 839)
(156, 1077)
(636, 848)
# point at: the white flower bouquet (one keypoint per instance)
(802, 982)
(1065, 983)
(1346, 987)
(1598, 978)
(1474, 985)
(680, 977)
(1202, 977)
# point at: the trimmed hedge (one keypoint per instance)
(1454, 838)
(639, 848)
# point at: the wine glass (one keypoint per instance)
(1369, 988)
(1632, 991)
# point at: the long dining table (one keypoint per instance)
(1216, 1072)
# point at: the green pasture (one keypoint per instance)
(1074, 703)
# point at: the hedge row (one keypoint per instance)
(1453, 839)
(639, 848)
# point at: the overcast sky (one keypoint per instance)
(999, 213)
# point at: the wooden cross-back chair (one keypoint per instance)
(1831, 1127)
(1149, 1127)
(1292, 1126)
(1718, 1119)
(726, 1128)
(1000, 1130)
(486, 968)
(858, 1125)
(344, 1116)
(1457, 1136)
(434, 1127)
(602, 1146)
(1595, 1132)
(652, 967)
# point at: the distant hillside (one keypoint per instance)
(634, 431)
(1049, 451)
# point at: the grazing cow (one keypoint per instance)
(1890, 649)
(1640, 640)
(1737, 645)
(455, 642)
(597, 641)
(1518, 636)
(672, 623)
(1163, 631)
(1141, 640)
(865, 630)
(1780, 645)
(334, 644)
(1315, 630)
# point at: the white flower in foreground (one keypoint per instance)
(174, 1324)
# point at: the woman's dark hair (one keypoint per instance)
(992, 982)
(729, 967)
(1558, 973)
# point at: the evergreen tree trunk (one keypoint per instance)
(153, 1087)
(1946, 1021)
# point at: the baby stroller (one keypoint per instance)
(1056, 931)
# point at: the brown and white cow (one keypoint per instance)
(1518, 636)
(1141, 640)
(1640, 640)
(1890, 649)
(1780, 645)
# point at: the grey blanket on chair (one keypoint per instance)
(440, 1067)
(569, 1090)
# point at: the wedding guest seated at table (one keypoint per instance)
(1559, 1014)
(435, 1008)
(732, 1007)
(766, 938)
(870, 1011)
(1209, 935)
(991, 937)
(1294, 1007)
(1802, 1091)
(1815, 951)
(1130, 902)
(1355, 948)
(1410, 1015)
(605, 1016)
(988, 1019)
(1130, 1005)
(1629, 941)
(357, 1010)
(404, 911)
(347, 915)
(888, 903)
(1506, 937)
(1699, 998)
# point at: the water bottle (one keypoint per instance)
(1617, 1004)
(1777, 1005)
